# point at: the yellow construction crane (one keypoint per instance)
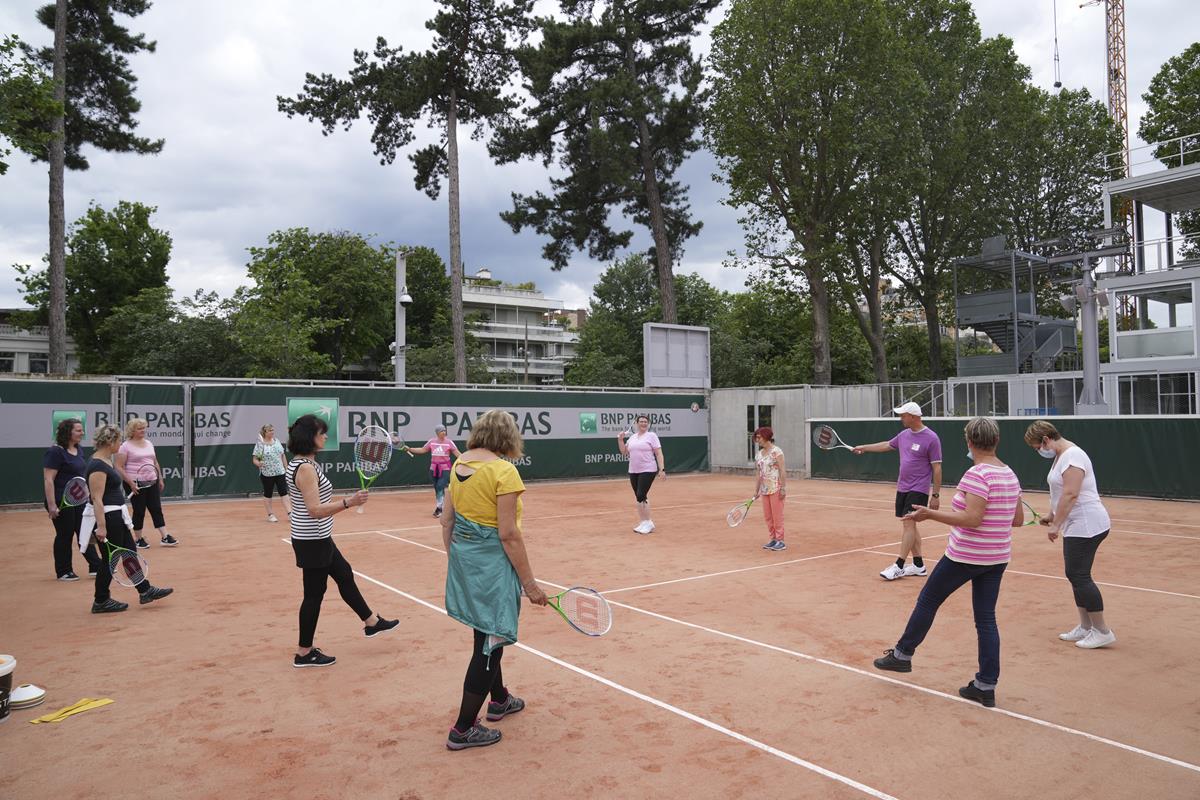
(1118, 86)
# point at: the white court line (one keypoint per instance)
(1099, 583)
(766, 748)
(758, 566)
(878, 677)
(1163, 535)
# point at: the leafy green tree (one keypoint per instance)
(26, 97)
(616, 98)
(94, 103)
(1173, 101)
(462, 78)
(794, 127)
(319, 302)
(111, 256)
(971, 96)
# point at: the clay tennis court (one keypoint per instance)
(730, 671)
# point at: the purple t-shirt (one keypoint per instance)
(919, 451)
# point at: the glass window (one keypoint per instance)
(1057, 396)
(756, 417)
(1177, 393)
(1155, 323)
(8, 361)
(39, 362)
(1138, 394)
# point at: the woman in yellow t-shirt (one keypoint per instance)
(487, 569)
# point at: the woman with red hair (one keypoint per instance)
(772, 485)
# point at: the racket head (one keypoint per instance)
(146, 476)
(737, 514)
(585, 609)
(1034, 517)
(372, 451)
(128, 568)
(825, 437)
(75, 493)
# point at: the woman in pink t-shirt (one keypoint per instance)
(985, 509)
(137, 452)
(645, 464)
(440, 447)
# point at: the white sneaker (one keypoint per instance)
(272, 518)
(913, 569)
(649, 526)
(1096, 639)
(892, 572)
(1075, 634)
(642, 527)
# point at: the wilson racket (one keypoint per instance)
(1035, 517)
(584, 609)
(75, 493)
(372, 454)
(146, 477)
(398, 443)
(737, 514)
(128, 568)
(826, 438)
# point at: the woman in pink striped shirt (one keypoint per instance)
(985, 509)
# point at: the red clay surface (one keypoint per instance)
(754, 683)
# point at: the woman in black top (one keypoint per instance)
(62, 462)
(108, 499)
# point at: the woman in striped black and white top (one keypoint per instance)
(983, 513)
(317, 556)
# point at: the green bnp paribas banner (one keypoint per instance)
(566, 434)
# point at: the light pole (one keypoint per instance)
(403, 301)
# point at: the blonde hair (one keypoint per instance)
(106, 435)
(263, 430)
(497, 431)
(1041, 430)
(133, 424)
(983, 433)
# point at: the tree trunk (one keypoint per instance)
(933, 329)
(875, 309)
(457, 325)
(658, 225)
(822, 367)
(58, 224)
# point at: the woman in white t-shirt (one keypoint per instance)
(1077, 513)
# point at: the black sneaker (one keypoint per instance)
(382, 626)
(167, 541)
(68, 576)
(154, 593)
(985, 697)
(476, 736)
(109, 606)
(891, 663)
(437, 512)
(92, 572)
(314, 658)
(142, 544)
(497, 711)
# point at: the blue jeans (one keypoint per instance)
(944, 581)
(440, 481)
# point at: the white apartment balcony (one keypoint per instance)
(537, 366)
(516, 332)
(474, 294)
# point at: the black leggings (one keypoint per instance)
(66, 537)
(1078, 555)
(641, 481)
(483, 677)
(119, 535)
(315, 581)
(148, 498)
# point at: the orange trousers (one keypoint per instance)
(772, 506)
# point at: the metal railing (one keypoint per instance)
(511, 330)
(1155, 255)
(507, 291)
(1153, 157)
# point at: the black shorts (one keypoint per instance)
(906, 500)
(274, 483)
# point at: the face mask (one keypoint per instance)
(970, 455)
(1046, 453)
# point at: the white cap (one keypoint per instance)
(909, 408)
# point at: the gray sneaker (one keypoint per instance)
(498, 711)
(477, 736)
(779, 545)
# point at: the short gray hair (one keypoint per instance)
(983, 433)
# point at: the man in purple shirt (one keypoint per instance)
(919, 484)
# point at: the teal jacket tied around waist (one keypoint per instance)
(482, 588)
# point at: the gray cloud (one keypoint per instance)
(234, 169)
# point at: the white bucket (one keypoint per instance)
(7, 665)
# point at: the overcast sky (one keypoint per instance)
(234, 169)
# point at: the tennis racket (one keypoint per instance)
(75, 493)
(372, 454)
(397, 440)
(584, 609)
(128, 568)
(737, 514)
(826, 438)
(146, 477)
(1035, 517)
